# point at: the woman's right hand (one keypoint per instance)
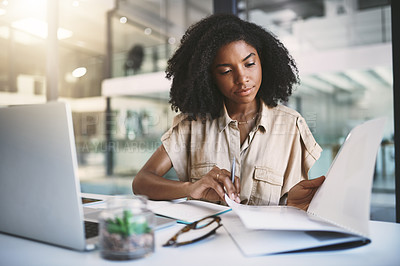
(150, 182)
(211, 186)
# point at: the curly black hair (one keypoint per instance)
(193, 90)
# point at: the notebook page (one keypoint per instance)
(187, 211)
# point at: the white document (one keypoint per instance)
(341, 204)
(344, 197)
(279, 218)
(186, 211)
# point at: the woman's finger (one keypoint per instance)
(313, 183)
(237, 184)
(218, 188)
(227, 182)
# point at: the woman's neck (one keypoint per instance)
(242, 112)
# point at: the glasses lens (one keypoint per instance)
(202, 229)
(204, 222)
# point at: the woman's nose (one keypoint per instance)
(242, 77)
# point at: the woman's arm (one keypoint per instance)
(150, 182)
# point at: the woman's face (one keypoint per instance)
(237, 72)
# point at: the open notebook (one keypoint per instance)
(338, 213)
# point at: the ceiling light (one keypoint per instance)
(123, 20)
(5, 3)
(79, 72)
(81, 43)
(171, 40)
(39, 28)
(75, 3)
(147, 31)
(63, 33)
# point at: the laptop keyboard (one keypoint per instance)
(91, 229)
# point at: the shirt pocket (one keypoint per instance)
(267, 186)
(199, 170)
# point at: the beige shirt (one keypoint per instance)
(277, 154)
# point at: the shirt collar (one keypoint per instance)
(224, 120)
(263, 118)
(262, 121)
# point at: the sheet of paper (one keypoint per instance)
(344, 197)
(279, 218)
(154, 205)
(187, 211)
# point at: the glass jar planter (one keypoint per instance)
(126, 229)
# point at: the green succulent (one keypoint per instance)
(127, 225)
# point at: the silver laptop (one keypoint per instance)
(40, 194)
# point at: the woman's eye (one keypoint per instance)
(250, 64)
(225, 72)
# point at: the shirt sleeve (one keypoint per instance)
(305, 151)
(175, 142)
(311, 151)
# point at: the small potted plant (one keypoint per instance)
(126, 232)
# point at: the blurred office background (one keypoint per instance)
(109, 58)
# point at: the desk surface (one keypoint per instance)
(219, 249)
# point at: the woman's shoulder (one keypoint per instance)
(184, 124)
(289, 116)
(177, 124)
(285, 110)
(184, 119)
(178, 119)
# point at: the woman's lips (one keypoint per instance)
(244, 92)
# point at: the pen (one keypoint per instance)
(233, 170)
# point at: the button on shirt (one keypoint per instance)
(277, 154)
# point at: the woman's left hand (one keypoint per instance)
(302, 193)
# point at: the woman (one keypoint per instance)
(228, 76)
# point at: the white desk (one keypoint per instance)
(217, 250)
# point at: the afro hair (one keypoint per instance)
(193, 90)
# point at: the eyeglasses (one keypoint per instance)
(199, 230)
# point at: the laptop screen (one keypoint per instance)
(39, 189)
